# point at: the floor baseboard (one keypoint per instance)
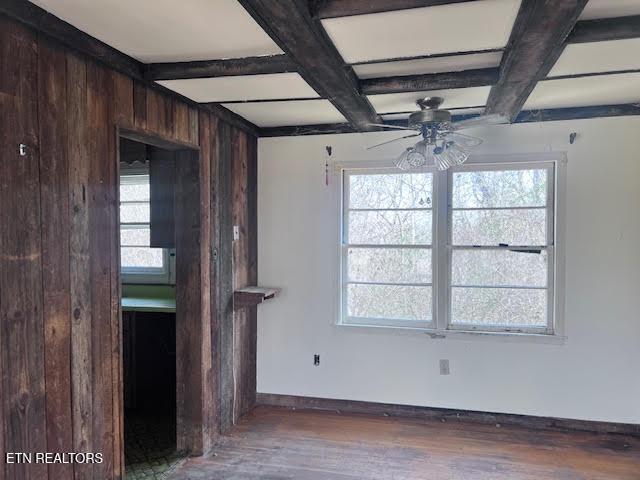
(445, 414)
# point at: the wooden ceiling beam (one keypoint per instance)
(346, 8)
(527, 116)
(432, 81)
(604, 29)
(220, 68)
(537, 40)
(290, 25)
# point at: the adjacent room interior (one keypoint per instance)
(323, 239)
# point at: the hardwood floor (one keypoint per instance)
(276, 444)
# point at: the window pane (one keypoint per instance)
(491, 189)
(389, 301)
(499, 267)
(134, 213)
(388, 191)
(498, 307)
(134, 192)
(390, 227)
(141, 257)
(492, 227)
(395, 265)
(135, 236)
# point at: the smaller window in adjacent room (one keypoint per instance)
(139, 262)
(468, 249)
(386, 250)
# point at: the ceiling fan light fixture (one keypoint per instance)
(401, 161)
(452, 156)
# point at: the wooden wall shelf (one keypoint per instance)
(252, 296)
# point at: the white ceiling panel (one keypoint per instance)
(585, 91)
(610, 8)
(457, 111)
(295, 112)
(453, 98)
(246, 87)
(610, 56)
(453, 63)
(460, 27)
(167, 30)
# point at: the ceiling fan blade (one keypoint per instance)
(491, 119)
(394, 140)
(393, 127)
(463, 140)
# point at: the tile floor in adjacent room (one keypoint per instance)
(150, 447)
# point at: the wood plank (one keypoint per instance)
(220, 68)
(223, 220)
(290, 25)
(101, 193)
(577, 113)
(252, 296)
(162, 175)
(250, 374)
(123, 98)
(194, 119)
(73, 38)
(188, 304)
(181, 121)
(55, 225)
(21, 293)
(81, 305)
(445, 414)
(139, 105)
(537, 40)
(159, 113)
(604, 29)
(124, 114)
(525, 116)
(345, 8)
(209, 427)
(433, 81)
(274, 443)
(217, 309)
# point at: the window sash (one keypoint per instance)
(345, 319)
(549, 246)
(442, 248)
(141, 274)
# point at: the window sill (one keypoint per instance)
(435, 334)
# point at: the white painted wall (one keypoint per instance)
(593, 376)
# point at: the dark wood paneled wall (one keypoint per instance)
(60, 332)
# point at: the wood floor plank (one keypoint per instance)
(272, 443)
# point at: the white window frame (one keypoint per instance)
(345, 245)
(442, 250)
(144, 275)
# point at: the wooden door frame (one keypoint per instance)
(193, 345)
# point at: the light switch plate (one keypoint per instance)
(236, 233)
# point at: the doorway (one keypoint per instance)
(160, 281)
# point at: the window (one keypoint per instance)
(469, 249)
(387, 252)
(139, 262)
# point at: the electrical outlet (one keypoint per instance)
(316, 360)
(444, 367)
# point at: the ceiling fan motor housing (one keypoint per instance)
(416, 119)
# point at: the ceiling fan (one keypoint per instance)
(441, 144)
